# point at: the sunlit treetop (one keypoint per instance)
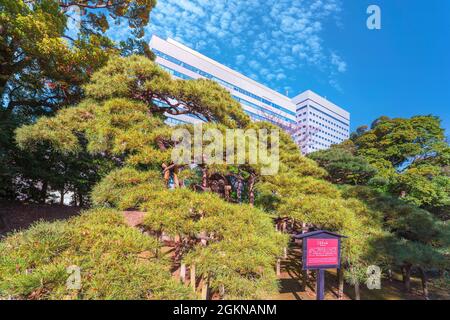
(96, 14)
(141, 79)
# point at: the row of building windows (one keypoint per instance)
(316, 147)
(330, 135)
(322, 125)
(176, 73)
(243, 101)
(327, 133)
(345, 127)
(222, 82)
(255, 106)
(316, 134)
(255, 116)
(318, 143)
(326, 139)
(174, 121)
(330, 122)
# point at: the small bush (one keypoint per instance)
(33, 263)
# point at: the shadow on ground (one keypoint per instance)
(291, 284)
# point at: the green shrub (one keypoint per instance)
(242, 246)
(33, 263)
(126, 188)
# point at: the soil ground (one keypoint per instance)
(291, 284)
(18, 216)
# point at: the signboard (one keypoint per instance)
(322, 252)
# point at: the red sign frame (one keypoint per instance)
(321, 251)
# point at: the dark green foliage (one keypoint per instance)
(43, 68)
(412, 155)
(343, 166)
(415, 236)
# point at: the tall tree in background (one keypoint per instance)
(412, 156)
(414, 240)
(396, 167)
(43, 67)
(343, 166)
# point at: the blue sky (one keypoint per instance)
(324, 45)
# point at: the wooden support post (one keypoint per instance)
(390, 274)
(320, 287)
(357, 291)
(278, 267)
(205, 288)
(340, 276)
(304, 227)
(192, 279)
(424, 279)
(304, 280)
(285, 253)
(183, 272)
(222, 291)
(406, 272)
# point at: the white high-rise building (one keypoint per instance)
(317, 123)
(321, 122)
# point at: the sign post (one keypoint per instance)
(321, 251)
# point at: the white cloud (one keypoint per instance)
(253, 36)
(338, 62)
(240, 59)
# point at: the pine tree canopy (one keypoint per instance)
(228, 235)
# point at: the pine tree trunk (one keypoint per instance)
(340, 276)
(61, 201)
(406, 272)
(239, 191)
(424, 278)
(304, 227)
(222, 292)
(192, 278)
(357, 293)
(251, 192)
(80, 199)
(43, 195)
(204, 177)
(390, 275)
